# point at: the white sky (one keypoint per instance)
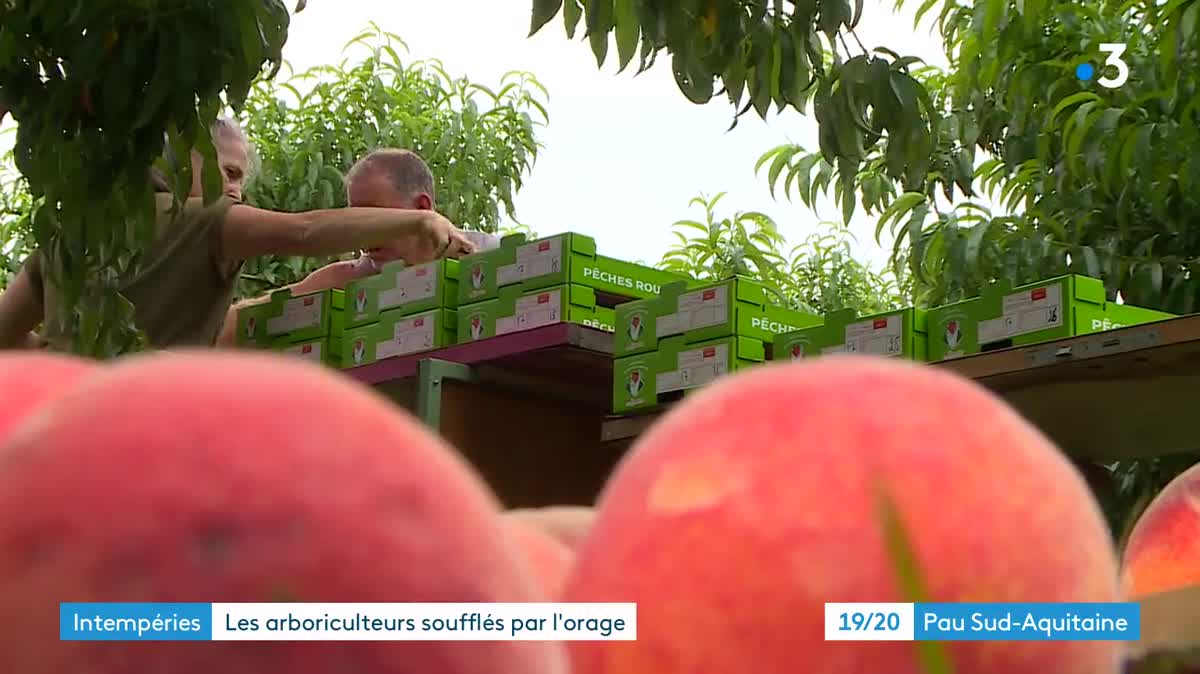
(623, 155)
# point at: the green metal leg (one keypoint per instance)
(431, 372)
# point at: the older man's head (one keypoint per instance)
(391, 179)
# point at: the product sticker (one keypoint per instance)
(298, 313)
(533, 311)
(535, 259)
(1025, 312)
(697, 309)
(414, 284)
(877, 337)
(696, 368)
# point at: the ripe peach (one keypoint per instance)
(29, 380)
(1163, 551)
(748, 507)
(568, 524)
(549, 557)
(243, 477)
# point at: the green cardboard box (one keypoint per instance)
(297, 318)
(552, 261)
(398, 334)
(897, 334)
(514, 311)
(735, 306)
(399, 287)
(1004, 316)
(323, 350)
(641, 381)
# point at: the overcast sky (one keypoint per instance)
(623, 155)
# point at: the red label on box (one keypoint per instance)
(543, 246)
(709, 294)
(710, 351)
(542, 299)
(880, 323)
(423, 271)
(418, 322)
(309, 300)
(307, 348)
(1038, 294)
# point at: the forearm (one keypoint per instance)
(332, 232)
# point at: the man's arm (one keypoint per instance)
(20, 313)
(333, 275)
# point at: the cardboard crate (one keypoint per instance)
(1003, 316)
(398, 334)
(735, 306)
(646, 380)
(515, 311)
(323, 350)
(399, 287)
(553, 261)
(291, 318)
(897, 334)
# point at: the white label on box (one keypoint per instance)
(533, 260)
(307, 351)
(840, 348)
(412, 285)
(696, 368)
(876, 337)
(298, 313)
(697, 309)
(1025, 312)
(410, 335)
(533, 311)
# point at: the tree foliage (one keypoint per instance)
(95, 86)
(1086, 179)
(308, 129)
(818, 276)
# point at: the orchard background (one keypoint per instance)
(1002, 165)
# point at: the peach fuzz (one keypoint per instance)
(29, 380)
(206, 477)
(1163, 550)
(548, 557)
(754, 502)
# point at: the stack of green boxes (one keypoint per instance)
(896, 334)
(1003, 316)
(400, 311)
(686, 337)
(525, 285)
(309, 325)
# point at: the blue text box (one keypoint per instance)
(134, 622)
(1028, 622)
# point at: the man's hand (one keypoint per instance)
(438, 239)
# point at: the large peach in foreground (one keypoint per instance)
(29, 380)
(1163, 550)
(749, 506)
(245, 478)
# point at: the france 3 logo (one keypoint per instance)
(1114, 50)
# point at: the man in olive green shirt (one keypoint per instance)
(387, 178)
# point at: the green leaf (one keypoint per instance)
(899, 208)
(599, 23)
(572, 12)
(543, 12)
(1069, 101)
(628, 30)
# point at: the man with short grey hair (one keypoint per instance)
(386, 178)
